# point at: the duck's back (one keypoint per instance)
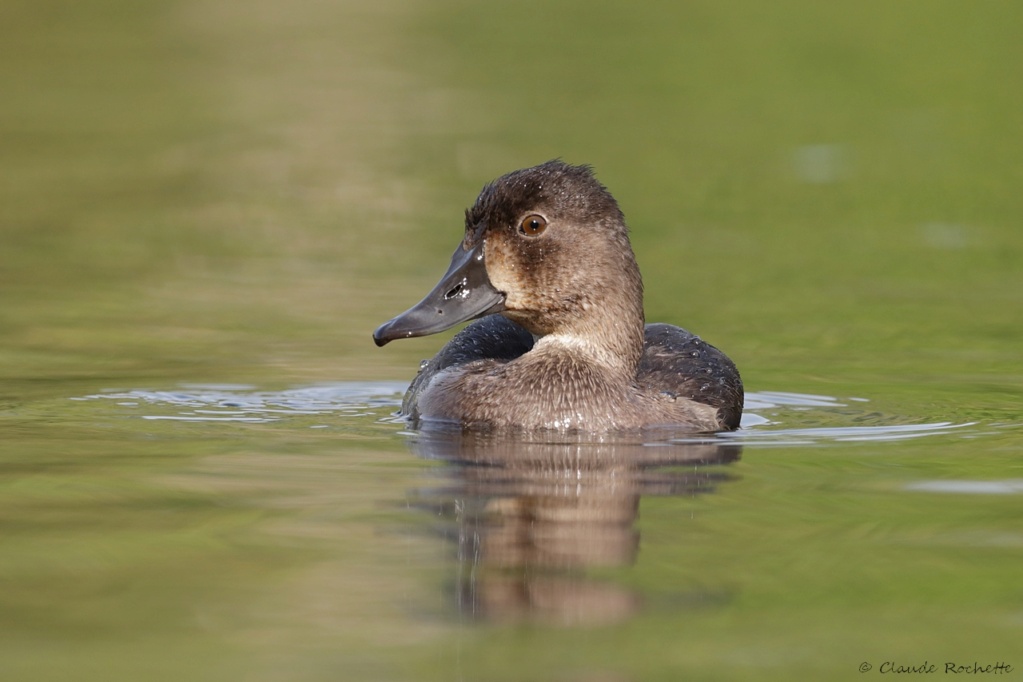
(685, 366)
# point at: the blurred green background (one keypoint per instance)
(207, 191)
(226, 189)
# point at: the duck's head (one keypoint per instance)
(546, 247)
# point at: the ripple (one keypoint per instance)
(839, 434)
(837, 419)
(766, 412)
(1010, 486)
(237, 403)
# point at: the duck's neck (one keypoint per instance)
(607, 331)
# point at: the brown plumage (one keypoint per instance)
(547, 249)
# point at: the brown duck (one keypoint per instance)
(561, 344)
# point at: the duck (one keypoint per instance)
(558, 339)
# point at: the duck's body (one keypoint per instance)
(547, 248)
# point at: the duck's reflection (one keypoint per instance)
(531, 517)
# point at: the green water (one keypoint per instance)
(207, 206)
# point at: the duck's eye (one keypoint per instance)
(533, 225)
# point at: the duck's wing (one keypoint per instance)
(682, 364)
(489, 338)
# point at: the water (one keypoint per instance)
(212, 531)
(207, 206)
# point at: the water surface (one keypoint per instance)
(206, 531)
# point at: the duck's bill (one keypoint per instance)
(464, 293)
